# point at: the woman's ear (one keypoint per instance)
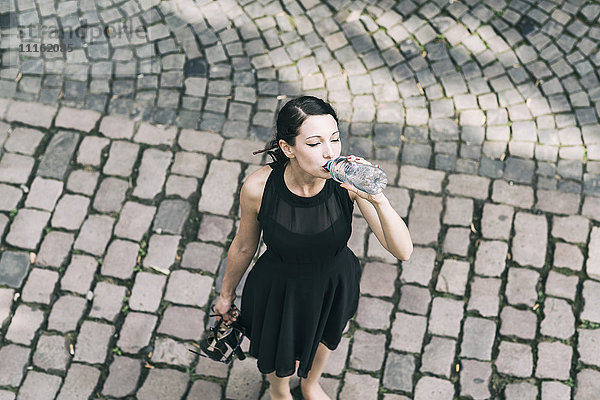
(286, 148)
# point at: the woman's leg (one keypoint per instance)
(311, 390)
(279, 388)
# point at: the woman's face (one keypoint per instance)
(318, 141)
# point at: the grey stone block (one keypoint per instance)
(419, 267)
(66, 312)
(108, 301)
(92, 342)
(79, 275)
(438, 356)
(14, 358)
(555, 391)
(162, 384)
(58, 154)
(169, 351)
(95, 234)
(554, 360)
(182, 322)
(407, 332)
(171, 216)
(368, 351)
(399, 370)
(51, 353)
(484, 296)
(39, 385)
(521, 391)
(559, 320)
(429, 387)
(26, 229)
(529, 242)
(152, 173)
(378, 279)
(14, 265)
(39, 286)
(446, 315)
(478, 338)
(136, 331)
(79, 382)
(9, 197)
(515, 359)
(474, 379)
(134, 221)
(424, 222)
(414, 299)
(453, 277)
(188, 288)
(122, 377)
(359, 386)
(43, 194)
(496, 221)
(373, 313)
(70, 212)
(24, 324)
(110, 195)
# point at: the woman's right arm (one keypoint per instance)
(243, 247)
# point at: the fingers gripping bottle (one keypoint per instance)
(367, 178)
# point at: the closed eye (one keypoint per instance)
(314, 144)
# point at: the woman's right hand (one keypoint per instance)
(223, 308)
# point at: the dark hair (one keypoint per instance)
(290, 118)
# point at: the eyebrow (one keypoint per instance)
(321, 136)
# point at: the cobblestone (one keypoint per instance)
(70, 212)
(373, 313)
(16, 358)
(66, 312)
(39, 385)
(51, 353)
(429, 387)
(92, 342)
(554, 360)
(559, 320)
(399, 370)
(136, 331)
(39, 286)
(368, 351)
(24, 324)
(14, 268)
(79, 382)
(495, 115)
(515, 359)
(445, 317)
(54, 249)
(529, 243)
(407, 332)
(474, 379)
(438, 356)
(122, 377)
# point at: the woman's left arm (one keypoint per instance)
(384, 221)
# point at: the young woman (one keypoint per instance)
(304, 288)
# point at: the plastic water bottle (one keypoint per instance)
(367, 178)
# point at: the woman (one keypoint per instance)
(304, 288)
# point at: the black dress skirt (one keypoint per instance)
(305, 287)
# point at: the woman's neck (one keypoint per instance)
(301, 183)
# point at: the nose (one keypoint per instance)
(327, 151)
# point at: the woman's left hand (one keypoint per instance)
(372, 198)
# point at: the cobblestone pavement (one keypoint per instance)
(121, 162)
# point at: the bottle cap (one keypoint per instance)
(328, 165)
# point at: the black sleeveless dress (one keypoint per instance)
(305, 287)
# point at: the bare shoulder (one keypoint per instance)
(253, 187)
